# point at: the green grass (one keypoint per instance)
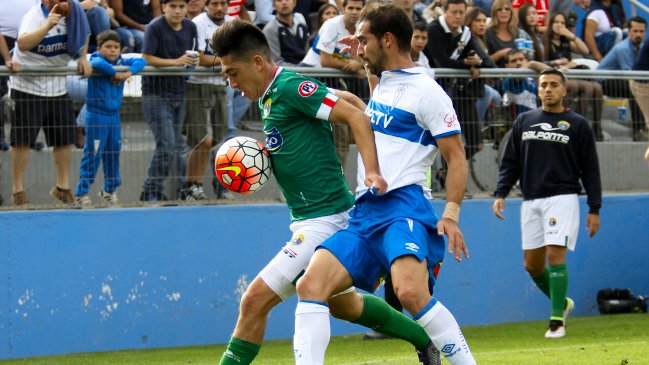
(615, 340)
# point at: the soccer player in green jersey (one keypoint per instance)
(297, 112)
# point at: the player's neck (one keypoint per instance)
(559, 108)
(400, 61)
(270, 71)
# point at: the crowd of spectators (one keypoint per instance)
(188, 117)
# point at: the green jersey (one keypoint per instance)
(295, 110)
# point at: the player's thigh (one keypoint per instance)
(561, 220)
(414, 252)
(283, 271)
(532, 225)
(352, 250)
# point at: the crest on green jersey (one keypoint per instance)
(267, 106)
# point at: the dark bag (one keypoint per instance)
(611, 301)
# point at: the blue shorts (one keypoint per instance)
(383, 228)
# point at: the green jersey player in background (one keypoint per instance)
(297, 112)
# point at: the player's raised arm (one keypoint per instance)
(359, 125)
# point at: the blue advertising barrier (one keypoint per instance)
(99, 280)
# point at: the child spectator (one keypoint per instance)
(418, 44)
(166, 42)
(103, 127)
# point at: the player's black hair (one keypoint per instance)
(388, 18)
(241, 40)
(107, 35)
(554, 71)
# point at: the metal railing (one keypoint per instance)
(138, 141)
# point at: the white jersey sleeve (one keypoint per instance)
(437, 112)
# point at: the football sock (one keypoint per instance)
(312, 332)
(381, 317)
(543, 282)
(443, 330)
(558, 290)
(239, 352)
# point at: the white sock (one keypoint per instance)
(312, 333)
(443, 330)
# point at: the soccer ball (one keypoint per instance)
(242, 165)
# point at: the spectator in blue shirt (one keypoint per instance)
(622, 57)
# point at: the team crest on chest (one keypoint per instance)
(307, 88)
(266, 109)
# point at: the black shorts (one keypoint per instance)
(55, 114)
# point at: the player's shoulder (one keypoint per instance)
(292, 84)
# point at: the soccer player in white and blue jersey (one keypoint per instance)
(397, 231)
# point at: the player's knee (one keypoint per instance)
(254, 302)
(533, 268)
(307, 287)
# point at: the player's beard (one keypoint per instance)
(376, 66)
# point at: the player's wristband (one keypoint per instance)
(452, 211)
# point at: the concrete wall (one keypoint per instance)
(97, 280)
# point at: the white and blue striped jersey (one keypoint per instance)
(409, 112)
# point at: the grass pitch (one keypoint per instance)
(615, 340)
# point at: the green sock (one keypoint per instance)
(543, 282)
(379, 316)
(558, 290)
(239, 352)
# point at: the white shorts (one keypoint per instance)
(283, 271)
(550, 221)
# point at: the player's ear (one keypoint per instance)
(258, 61)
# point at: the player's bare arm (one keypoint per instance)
(453, 152)
(352, 99)
(361, 128)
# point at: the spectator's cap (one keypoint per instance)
(166, 1)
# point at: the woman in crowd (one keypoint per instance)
(503, 31)
(529, 22)
(325, 12)
(559, 45)
(476, 20)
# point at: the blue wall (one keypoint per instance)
(97, 280)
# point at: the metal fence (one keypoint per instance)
(142, 156)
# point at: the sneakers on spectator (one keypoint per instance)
(19, 198)
(38, 146)
(556, 329)
(110, 198)
(63, 195)
(4, 146)
(429, 355)
(194, 191)
(82, 200)
(152, 196)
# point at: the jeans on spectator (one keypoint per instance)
(237, 105)
(77, 88)
(491, 96)
(606, 41)
(165, 117)
(99, 21)
(134, 37)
